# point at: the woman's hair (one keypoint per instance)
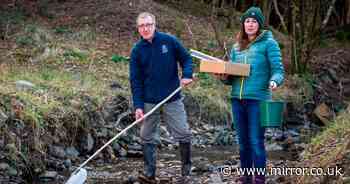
(242, 38)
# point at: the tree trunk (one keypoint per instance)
(266, 8)
(280, 16)
(347, 19)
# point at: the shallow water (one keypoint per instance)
(168, 164)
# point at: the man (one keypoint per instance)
(153, 77)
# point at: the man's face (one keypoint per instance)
(146, 28)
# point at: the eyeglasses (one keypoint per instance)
(143, 26)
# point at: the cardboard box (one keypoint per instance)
(224, 68)
(215, 65)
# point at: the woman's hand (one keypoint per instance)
(273, 85)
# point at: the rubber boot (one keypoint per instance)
(186, 163)
(149, 157)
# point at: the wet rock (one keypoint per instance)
(333, 75)
(11, 171)
(11, 138)
(87, 143)
(215, 179)
(134, 154)
(116, 147)
(201, 164)
(3, 117)
(135, 147)
(346, 179)
(2, 144)
(48, 176)
(67, 163)
(132, 179)
(4, 166)
(72, 152)
(23, 85)
(168, 156)
(102, 132)
(224, 137)
(164, 131)
(274, 134)
(230, 162)
(122, 152)
(57, 151)
(293, 133)
(207, 127)
(116, 108)
(167, 141)
(324, 113)
(115, 85)
(273, 147)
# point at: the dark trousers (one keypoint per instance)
(246, 115)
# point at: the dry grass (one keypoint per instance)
(329, 149)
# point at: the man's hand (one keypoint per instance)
(273, 85)
(138, 114)
(185, 82)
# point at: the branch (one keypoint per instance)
(191, 34)
(280, 16)
(329, 12)
(216, 32)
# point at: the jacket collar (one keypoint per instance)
(155, 37)
(258, 38)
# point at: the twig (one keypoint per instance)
(329, 12)
(121, 116)
(216, 32)
(191, 34)
(280, 16)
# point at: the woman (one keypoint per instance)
(257, 47)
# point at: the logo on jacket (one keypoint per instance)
(164, 49)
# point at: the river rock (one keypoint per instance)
(72, 152)
(48, 176)
(3, 117)
(57, 151)
(273, 147)
(4, 166)
(23, 85)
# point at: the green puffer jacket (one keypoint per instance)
(264, 57)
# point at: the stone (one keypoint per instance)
(135, 147)
(23, 85)
(122, 152)
(323, 113)
(89, 142)
(134, 154)
(57, 151)
(273, 147)
(48, 176)
(67, 163)
(72, 152)
(12, 171)
(3, 117)
(215, 179)
(4, 166)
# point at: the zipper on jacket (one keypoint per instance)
(242, 79)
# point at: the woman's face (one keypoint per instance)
(251, 26)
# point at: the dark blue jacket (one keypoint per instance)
(154, 69)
